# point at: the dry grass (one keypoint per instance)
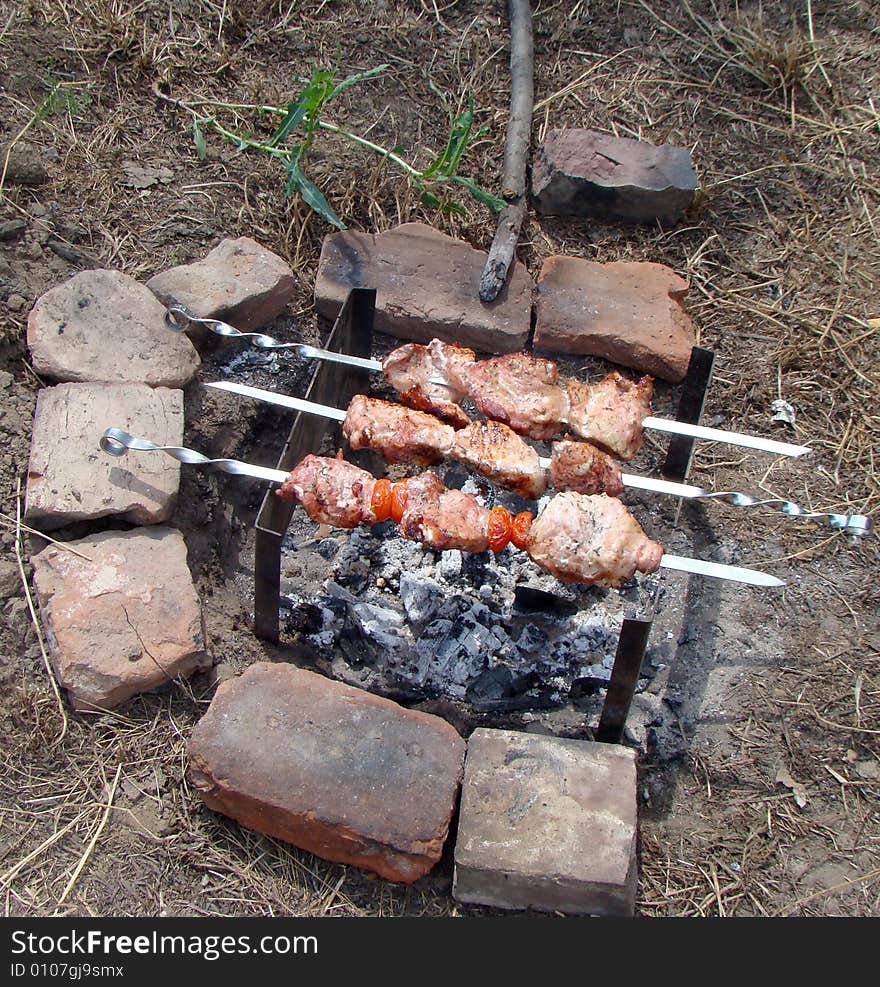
(781, 250)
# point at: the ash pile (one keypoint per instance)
(378, 611)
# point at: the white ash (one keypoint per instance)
(388, 614)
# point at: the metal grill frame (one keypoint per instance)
(336, 384)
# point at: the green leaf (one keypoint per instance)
(311, 195)
(480, 194)
(199, 139)
(358, 77)
(430, 200)
(296, 110)
(459, 136)
(305, 107)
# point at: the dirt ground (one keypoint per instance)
(764, 798)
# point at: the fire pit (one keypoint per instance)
(378, 611)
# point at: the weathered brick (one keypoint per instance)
(547, 823)
(627, 312)
(71, 479)
(123, 620)
(587, 173)
(239, 281)
(105, 326)
(427, 285)
(334, 770)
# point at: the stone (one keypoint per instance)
(427, 286)
(11, 229)
(24, 164)
(71, 479)
(10, 579)
(547, 823)
(126, 621)
(337, 771)
(627, 312)
(104, 326)
(239, 281)
(15, 303)
(587, 173)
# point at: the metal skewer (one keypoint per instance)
(117, 442)
(856, 524)
(179, 318)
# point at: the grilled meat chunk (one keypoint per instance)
(583, 468)
(495, 451)
(413, 371)
(443, 519)
(400, 434)
(331, 491)
(520, 390)
(583, 539)
(610, 413)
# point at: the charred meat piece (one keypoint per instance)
(331, 491)
(495, 451)
(583, 468)
(414, 371)
(400, 434)
(583, 539)
(443, 519)
(610, 413)
(520, 390)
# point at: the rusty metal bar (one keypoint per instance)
(624, 678)
(332, 384)
(690, 409)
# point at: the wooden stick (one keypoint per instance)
(516, 151)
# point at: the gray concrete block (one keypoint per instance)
(547, 823)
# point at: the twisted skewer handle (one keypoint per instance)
(117, 442)
(854, 524)
(179, 318)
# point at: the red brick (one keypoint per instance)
(588, 173)
(125, 619)
(239, 281)
(71, 479)
(347, 775)
(627, 312)
(427, 285)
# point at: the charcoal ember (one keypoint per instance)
(474, 568)
(584, 688)
(455, 479)
(530, 596)
(421, 597)
(450, 565)
(533, 641)
(499, 642)
(355, 576)
(452, 654)
(593, 641)
(306, 618)
(381, 626)
(494, 685)
(327, 548)
(467, 612)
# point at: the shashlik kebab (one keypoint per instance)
(495, 451)
(577, 537)
(574, 536)
(520, 389)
